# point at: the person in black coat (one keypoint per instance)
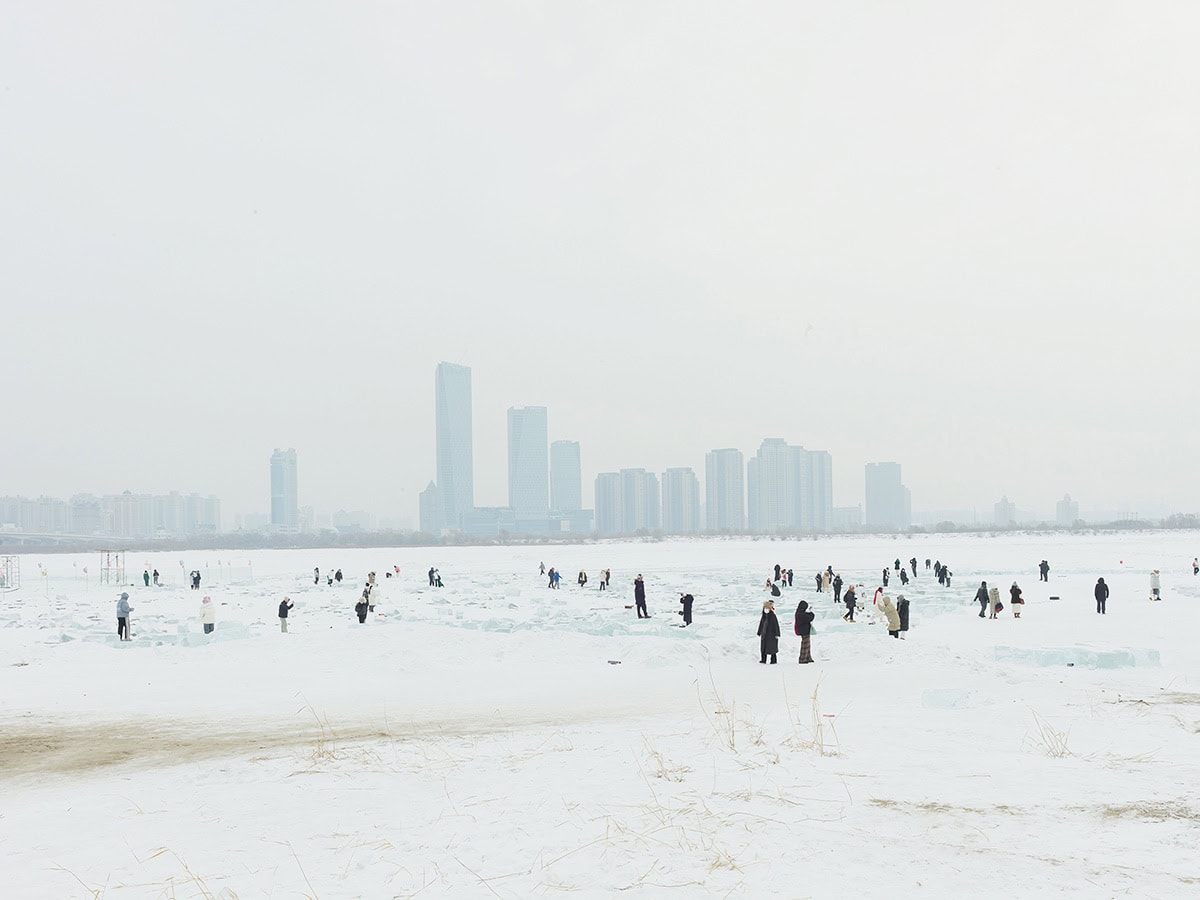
(778, 568)
(803, 625)
(904, 576)
(1101, 596)
(361, 608)
(885, 577)
(284, 606)
(837, 588)
(851, 601)
(687, 600)
(902, 612)
(639, 597)
(768, 633)
(1044, 571)
(818, 577)
(913, 562)
(981, 597)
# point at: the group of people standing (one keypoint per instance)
(990, 604)
(330, 576)
(769, 632)
(554, 577)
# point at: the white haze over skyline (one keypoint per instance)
(961, 237)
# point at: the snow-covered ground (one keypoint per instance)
(493, 738)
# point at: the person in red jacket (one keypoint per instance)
(804, 620)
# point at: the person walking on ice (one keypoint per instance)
(1101, 593)
(981, 597)
(123, 609)
(902, 612)
(208, 615)
(851, 601)
(285, 607)
(1155, 586)
(994, 602)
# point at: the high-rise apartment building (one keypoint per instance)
(724, 493)
(528, 465)
(777, 477)
(640, 509)
(1066, 511)
(566, 477)
(789, 488)
(285, 504)
(455, 459)
(608, 503)
(680, 501)
(889, 503)
(818, 494)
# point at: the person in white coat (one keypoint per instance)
(1155, 586)
(893, 617)
(208, 614)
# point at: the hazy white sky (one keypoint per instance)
(959, 236)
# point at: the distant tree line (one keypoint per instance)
(257, 540)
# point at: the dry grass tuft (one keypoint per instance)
(1050, 740)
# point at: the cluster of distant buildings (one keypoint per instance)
(114, 515)
(782, 488)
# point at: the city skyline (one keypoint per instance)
(968, 248)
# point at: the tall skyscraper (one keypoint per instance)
(528, 464)
(889, 503)
(455, 460)
(608, 503)
(1066, 511)
(285, 503)
(566, 477)
(680, 501)
(724, 495)
(818, 500)
(640, 507)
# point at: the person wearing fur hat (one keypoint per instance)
(889, 611)
(768, 633)
(803, 625)
(208, 614)
(902, 612)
